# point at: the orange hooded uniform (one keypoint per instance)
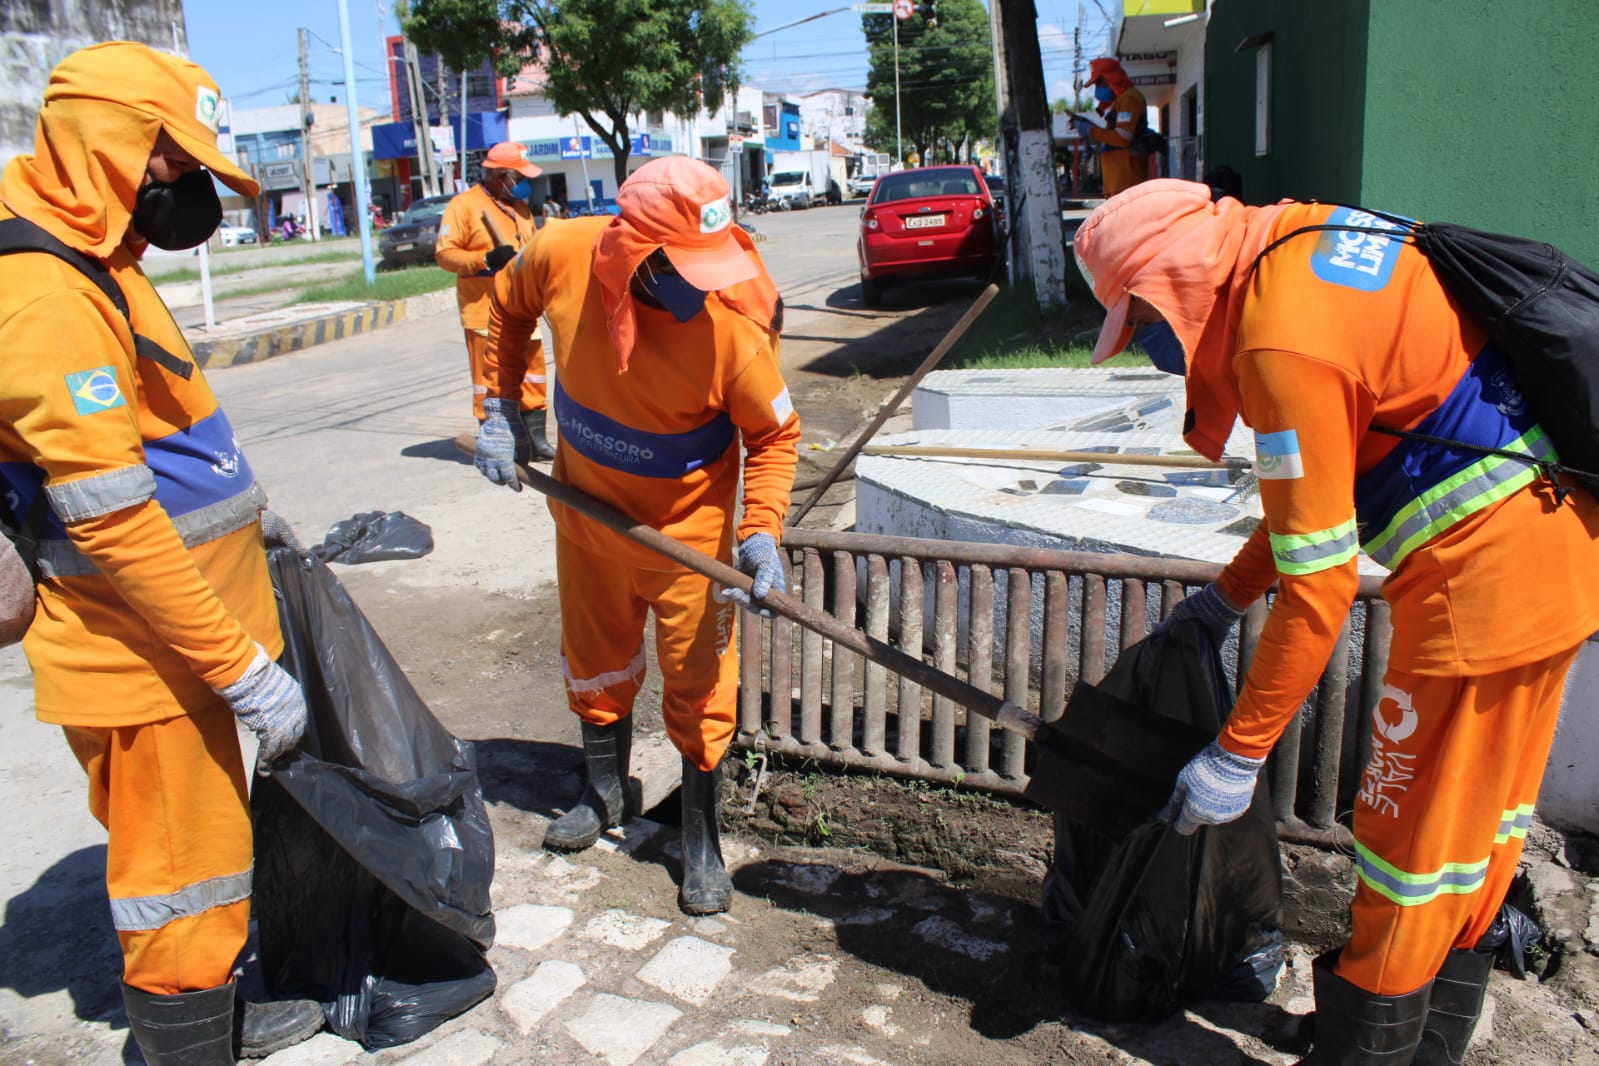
(651, 414)
(154, 588)
(1121, 168)
(463, 241)
(1335, 333)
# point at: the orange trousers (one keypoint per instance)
(1121, 170)
(534, 384)
(179, 855)
(603, 608)
(1443, 809)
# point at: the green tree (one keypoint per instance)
(603, 60)
(946, 79)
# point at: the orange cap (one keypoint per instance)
(685, 207)
(176, 92)
(511, 155)
(1100, 68)
(1122, 236)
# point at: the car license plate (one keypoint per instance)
(924, 221)
(403, 247)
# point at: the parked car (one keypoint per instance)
(412, 238)
(933, 221)
(996, 189)
(233, 235)
(861, 184)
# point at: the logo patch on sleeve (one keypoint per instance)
(782, 407)
(95, 390)
(1277, 456)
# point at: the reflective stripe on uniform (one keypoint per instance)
(134, 913)
(535, 379)
(1514, 824)
(1410, 889)
(98, 494)
(1485, 482)
(1308, 553)
(633, 671)
(60, 558)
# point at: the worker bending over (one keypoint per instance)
(1493, 584)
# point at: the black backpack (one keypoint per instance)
(1147, 140)
(20, 235)
(1541, 308)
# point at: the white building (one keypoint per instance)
(835, 115)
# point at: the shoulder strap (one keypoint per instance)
(20, 235)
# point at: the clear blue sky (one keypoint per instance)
(253, 49)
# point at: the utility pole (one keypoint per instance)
(899, 146)
(445, 186)
(363, 215)
(307, 164)
(1030, 153)
(419, 120)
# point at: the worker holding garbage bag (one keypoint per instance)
(1336, 339)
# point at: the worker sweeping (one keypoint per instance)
(156, 626)
(665, 327)
(482, 230)
(1333, 338)
(1123, 106)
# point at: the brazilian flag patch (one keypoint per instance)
(95, 390)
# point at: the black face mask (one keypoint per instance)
(178, 214)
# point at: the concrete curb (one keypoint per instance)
(258, 337)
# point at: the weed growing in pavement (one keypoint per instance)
(1013, 333)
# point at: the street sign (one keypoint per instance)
(873, 9)
(903, 9)
(735, 143)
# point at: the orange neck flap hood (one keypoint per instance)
(618, 251)
(1190, 258)
(83, 177)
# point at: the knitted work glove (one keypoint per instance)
(271, 705)
(1213, 789)
(277, 533)
(497, 438)
(1211, 609)
(758, 557)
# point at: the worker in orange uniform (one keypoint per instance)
(665, 325)
(1123, 107)
(156, 626)
(474, 252)
(1335, 334)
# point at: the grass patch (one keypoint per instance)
(187, 273)
(390, 285)
(1014, 333)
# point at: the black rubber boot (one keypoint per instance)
(606, 750)
(266, 1028)
(1457, 994)
(188, 1029)
(539, 448)
(1356, 1028)
(706, 888)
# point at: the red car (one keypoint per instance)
(928, 222)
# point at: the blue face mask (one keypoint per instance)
(1162, 346)
(683, 300)
(1104, 93)
(522, 189)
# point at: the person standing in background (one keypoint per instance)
(1123, 107)
(482, 230)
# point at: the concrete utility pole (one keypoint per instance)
(307, 164)
(1039, 251)
(363, 198)
(446, 187)
(419, 121)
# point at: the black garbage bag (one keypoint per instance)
(1142, 922)
(374, 853)
(373, 536)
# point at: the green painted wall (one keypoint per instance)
(1473, 111)
(1319, 65)
(1482, 112)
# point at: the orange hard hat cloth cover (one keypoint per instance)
(1166, 242)
(511, 155)
(685, 207)
(1111, 71)
(103, 109)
